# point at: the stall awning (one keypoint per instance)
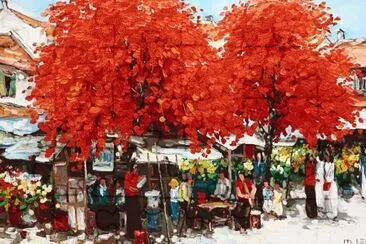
(23, 149)
(360, 124)
(7, 139)
(257, 141)
(18, 126)
(27, 147)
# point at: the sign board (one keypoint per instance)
(105, 161)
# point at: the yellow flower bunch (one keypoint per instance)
(340, 166)
(185, 165)
(224, 162)
(193, 171)
(248, 165)
(198, 166)
(348, 160)
(211, 169)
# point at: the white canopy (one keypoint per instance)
(18, 126)
(174, 155)
(255, 140)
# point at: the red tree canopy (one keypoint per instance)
(283, 71)
(125, 67)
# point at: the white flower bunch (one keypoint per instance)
(278, 169)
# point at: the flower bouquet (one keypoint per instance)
(21, 192)
(245, 166)
(281, 163)
(280, 172)
(348, 161)
(292, 158)
(298, 158)
(203, 169)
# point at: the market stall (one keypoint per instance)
(26, 165)
(169, 158)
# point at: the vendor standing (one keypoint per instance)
(133, 207)
(309, 183)
(223, 188)
(184, 198)
(245, 191)
(259, 174)
(153, 208)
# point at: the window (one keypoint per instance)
(359, 82)
(356, 82)
(7, 85)
(363, 84)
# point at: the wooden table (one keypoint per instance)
(213, 205)
(210, 206)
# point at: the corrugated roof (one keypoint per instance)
(33, 22)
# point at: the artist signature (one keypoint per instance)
(355, 241)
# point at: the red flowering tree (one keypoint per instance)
(283, 72)
(125, 67)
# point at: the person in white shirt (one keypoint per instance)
(174, 202)
(223, 188)
(330, 192)
(153, 209)
(119, 201)
(267, 197)
(319, 182)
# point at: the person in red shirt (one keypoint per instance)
(133, 206)
(309, 182)
(245, 192)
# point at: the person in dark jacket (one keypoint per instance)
(102, 193)
(309, 182)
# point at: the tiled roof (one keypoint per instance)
(210, 29)
(7, 110)
(361, 103)
(12, 54)
(356, 49)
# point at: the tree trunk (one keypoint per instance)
(288, 177)
(230, 175)
(85, 192)
(268, 152)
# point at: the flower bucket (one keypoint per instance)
(3, 215)
(15, 216)
(43, 212)
(60, 222)
(153, 218)
(201, 197)
(140, 237)
(203, 186)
